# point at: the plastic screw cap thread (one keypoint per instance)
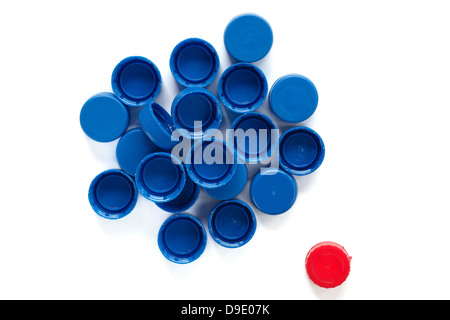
(160, 177)
(113, 194)
(194, 63)
(301, 151)
(327, 264)
(242, 87)
(254, 136)
(182, 238)
(211, 164)
(194, 106)
(136, 81)
(232, 223)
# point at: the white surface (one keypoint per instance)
(382, 72)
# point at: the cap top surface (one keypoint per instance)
(328, 264)
(132, 148)
(248, 38)
(273, 191)
(104, 118)
(293, 98)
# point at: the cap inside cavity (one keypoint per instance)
(138, 80)
(114, 192)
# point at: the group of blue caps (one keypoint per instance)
(150, 166)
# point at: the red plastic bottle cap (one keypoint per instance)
(328, 264)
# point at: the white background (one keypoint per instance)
(382, 70)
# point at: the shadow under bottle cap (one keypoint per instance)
(113, 194)
(136, 81)
(104, 118)
(273, 191)
(293, 98)
(158, 125)
(194, 63)
(160, 177)
(196, 105)
(182, 238)
(301, 151)
(232, 223)
(242, 87)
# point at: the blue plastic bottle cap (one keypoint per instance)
(182, 238)
(293, 98)
(232, 188)
(196, 104)
(211, 164)
(248, 38)
(194, 63)
(132, 148)
(273, 191)
(104, 118)
(136, 81)
(242, 87)
(113, 194)
(232, 223)
(185, 200)
(158, 125)
(160, 177)
(301, 151)
(252, 136)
